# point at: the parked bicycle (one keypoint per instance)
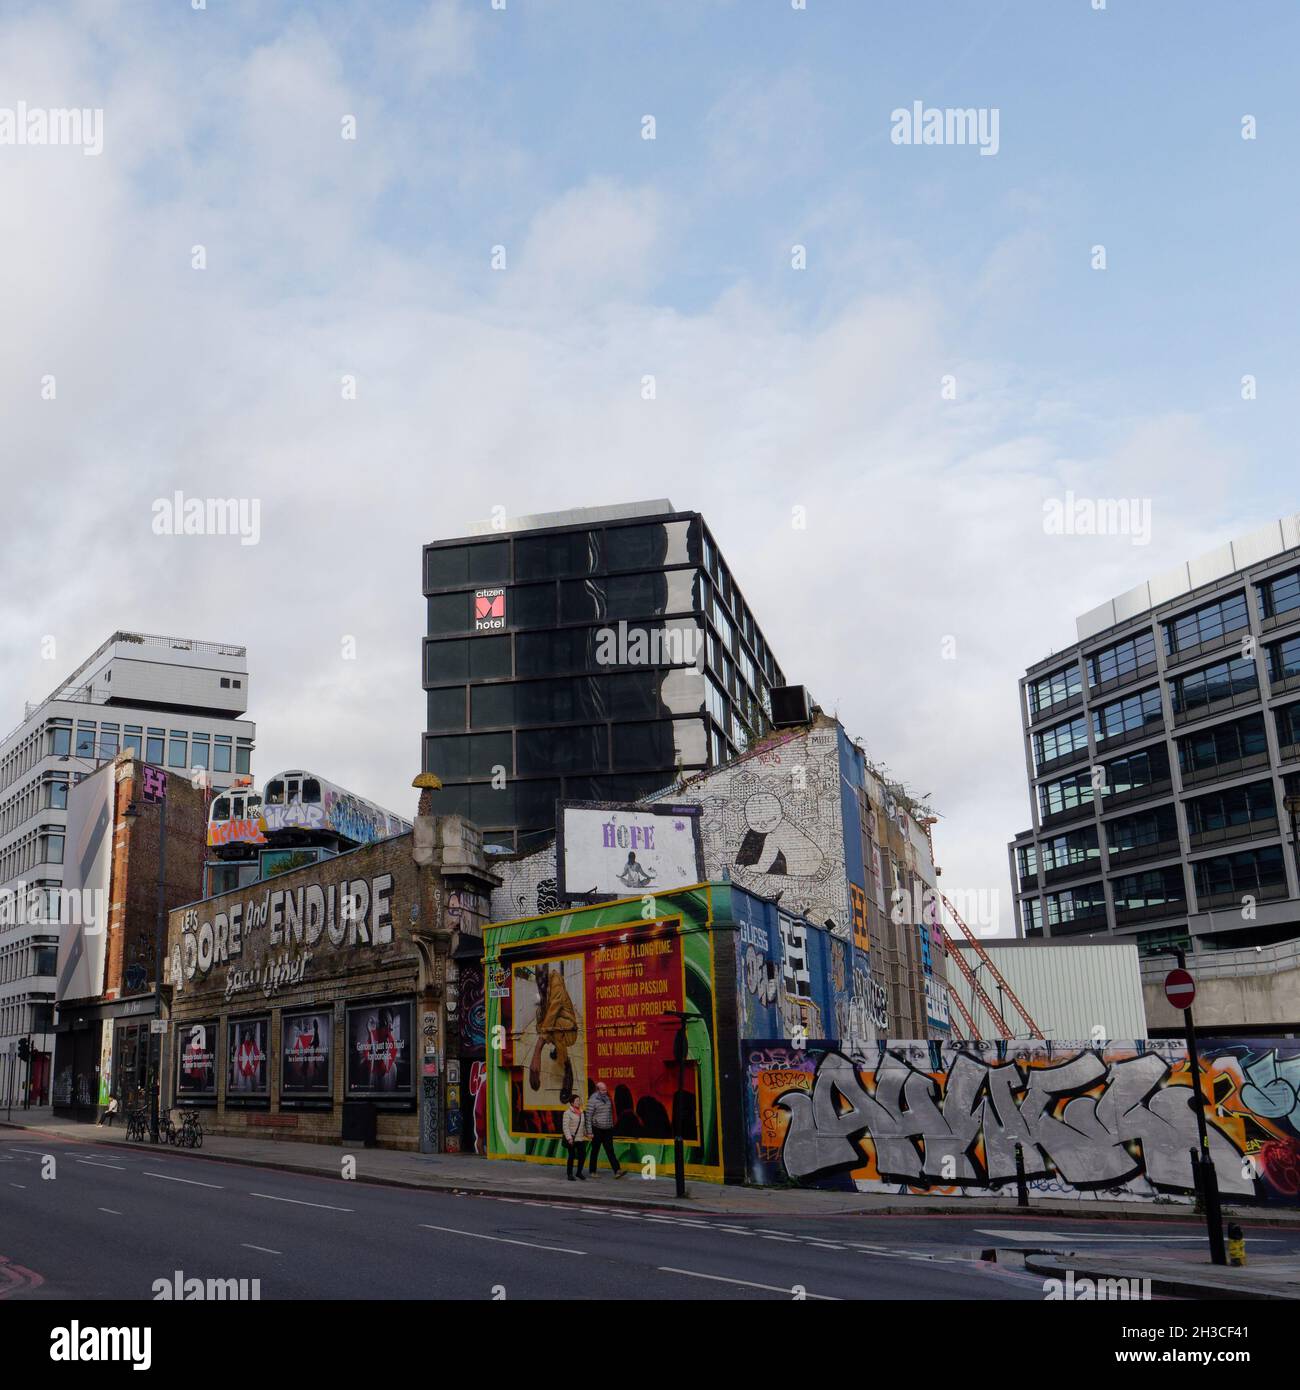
(137, 1124)
(189, 1134)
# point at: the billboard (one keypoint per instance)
(196, 1060)
(608, 850)
(87, 868)
(248, 1057)
(379, 1049)
(591, 998)
(308, 1054)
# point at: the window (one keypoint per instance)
(51, 849)
(1027, 861)
(225, 682)
(1288, 726)
(1136, 771)
(60, 742)
(1077, 848)
(449, 612)
(1225, 744)
(220, 756)
(176, 749)
(154, 747)
(1065, 794)
(199, 752)
(221, 808)
(1206, 624)
(131, 741)
(1239, 875)
(640, 547)
(310, 791)
(1153, 889)
(1145, 830)
(1073, 904)
(1031, 910)
(461, 756)
(1061, 740)
(532, 605)
(1284, 660)
(1054, 689)
(1226, 810)
(644, 745)
(85, 741)
(243, 756)
(1129, 715)
(1280, 595)
(575, 748)
(467, 658)
(1223, 681)
(56, 795)
(491, 706)
(1123, 659)
(447, 707)
(554, 556)
(714, 702)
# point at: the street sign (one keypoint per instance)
(158, 1025)
(1180, 989)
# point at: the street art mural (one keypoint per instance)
(1108, 1120)
(591, 996)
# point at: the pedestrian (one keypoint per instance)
(110, 1110)
(600, 1123)
(575, 1137)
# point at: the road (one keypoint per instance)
(111, 1221)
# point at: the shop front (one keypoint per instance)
(312, 1006)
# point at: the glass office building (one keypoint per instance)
(1161, 750)
(592, 655)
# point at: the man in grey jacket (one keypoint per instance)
(601, 1119)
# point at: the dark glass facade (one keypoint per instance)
(596, 660)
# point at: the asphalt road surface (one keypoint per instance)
(111, 1221)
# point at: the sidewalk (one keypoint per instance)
(533, 1181)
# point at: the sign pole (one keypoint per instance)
(1179, 986)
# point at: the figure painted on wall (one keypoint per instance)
(772, 844)
(556, 1026)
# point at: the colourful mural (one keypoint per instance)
(590, 996)
(1108, 1120)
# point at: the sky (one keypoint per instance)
(909, 347)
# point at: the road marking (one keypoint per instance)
(263, 1249)
(322, 1206)
(478, 1235)
(793, 1240)
(110, 1211)
(1136, 1240)
(747, 1283)
(735, 1230)
(189, 1182)
(92, 1163)
(34, 1153)
(821, 1245)
(21, 1185)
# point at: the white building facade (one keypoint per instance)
(177, 703)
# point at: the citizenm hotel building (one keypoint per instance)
(593, 655)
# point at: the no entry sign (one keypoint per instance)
(1180, 989)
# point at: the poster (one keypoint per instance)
(622, 851)
(601, 1011)
(308, 1055)
(247, 1057)
(196, 1062)
(379, 1049)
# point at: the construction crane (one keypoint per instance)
(955, 998)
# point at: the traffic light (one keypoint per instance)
(24, 1049)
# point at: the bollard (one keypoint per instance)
(1236, 1245)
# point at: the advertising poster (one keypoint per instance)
(307, 1054)
(196, 1062)
(247, 1042)
(598, 1013)
(608, 851)
(379, 1049)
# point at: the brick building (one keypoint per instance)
(324, 1003)
(111, 907)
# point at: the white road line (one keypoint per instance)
(821, 1245)
(1108, 1239)
(110, 1211)
(189, 1182)
(791, 1240)
(502, 1240)
(263, 1249)
(92, 1163)
(747, 1283)
(34, 1153)
(322, 1206)
(735, 1230)
(21, 1185)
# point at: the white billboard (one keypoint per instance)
(606, 850)
(87, 866)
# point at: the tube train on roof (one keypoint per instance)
(296, 808)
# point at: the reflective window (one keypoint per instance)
(176, 751)
(1123, 659)
(552, 557)
(1054, 689)
(449, 612)
(1205, 624)
(85, 741)
(1065, 794)
(1128, 715)
(60, 742)
(1284, 660)
(1147, 828)
(1227, 743)
(1218, 682)
(1239, 874)
(576, 748)
(447, 708)
(1060, 740)
(1249, 805)
(199, 752)
(1280, 595)
(1153, 888)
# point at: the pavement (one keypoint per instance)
(1173, 1273)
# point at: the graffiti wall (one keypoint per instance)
(588, 996)
(1110, 1120)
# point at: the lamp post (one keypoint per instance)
(680, 1055)
(155, 794)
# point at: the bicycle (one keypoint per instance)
(137, 1125)
(191, 1131)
